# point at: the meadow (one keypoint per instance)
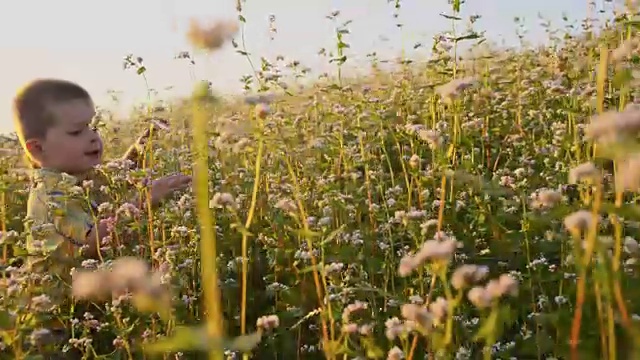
(479, 204)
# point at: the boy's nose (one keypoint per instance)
(95, 137)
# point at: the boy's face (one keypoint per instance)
(71, 145)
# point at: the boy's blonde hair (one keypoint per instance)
(31, 106)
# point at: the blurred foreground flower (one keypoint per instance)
(268, 322)
(584, 172)
(625, 50)
(431, 137)
(483, 296)
(395, 354)
(438, 250)
(262, 110)
(544, 199)
(612, 126)
(128, 275)
(210, 37)
(417, 315)
(628, 175)
(223, 200)
(453, 88)
(466, 275)
(579, 221)
(259, 99)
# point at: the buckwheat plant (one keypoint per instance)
(475, 202)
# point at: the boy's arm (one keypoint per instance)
(100, 229)
(79, 228)
(135, 151)
(94, 237)
(92, 245)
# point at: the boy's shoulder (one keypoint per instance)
(47, 189)
(52, 194)
(56, 210)
(51, 179)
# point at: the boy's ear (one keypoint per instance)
(34, 148)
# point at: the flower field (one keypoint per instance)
(481, 207)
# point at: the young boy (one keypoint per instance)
(53, 122)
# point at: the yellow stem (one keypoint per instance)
(252, 208)
(208, 251)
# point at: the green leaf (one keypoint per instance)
(494, 325)
(185, 338)
(333, 235)
(456, 5)
(373, 351)
(504, 319)
(19, 251)
(365, 289)
(627, 211)
(546, 320)
(437, 339)
(537, 220)
(308, 316)
(141, 70)
(487, 327)
(195, 338)
(450, 17)
(634, 21)
(461, 178)
(246, 343)
(241, 229)
(332, 348)
(622, 77)
(202, 90)
(307, 233)
(310, 268)
(471, 36)
(617, 150)
(6, 320)
(150, 304)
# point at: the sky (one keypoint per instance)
(86, 40)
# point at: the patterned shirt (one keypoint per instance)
(59, 218)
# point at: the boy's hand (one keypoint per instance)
(156, 124)
(165, 186)
(135, 150)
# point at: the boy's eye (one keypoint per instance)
(78, 132)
